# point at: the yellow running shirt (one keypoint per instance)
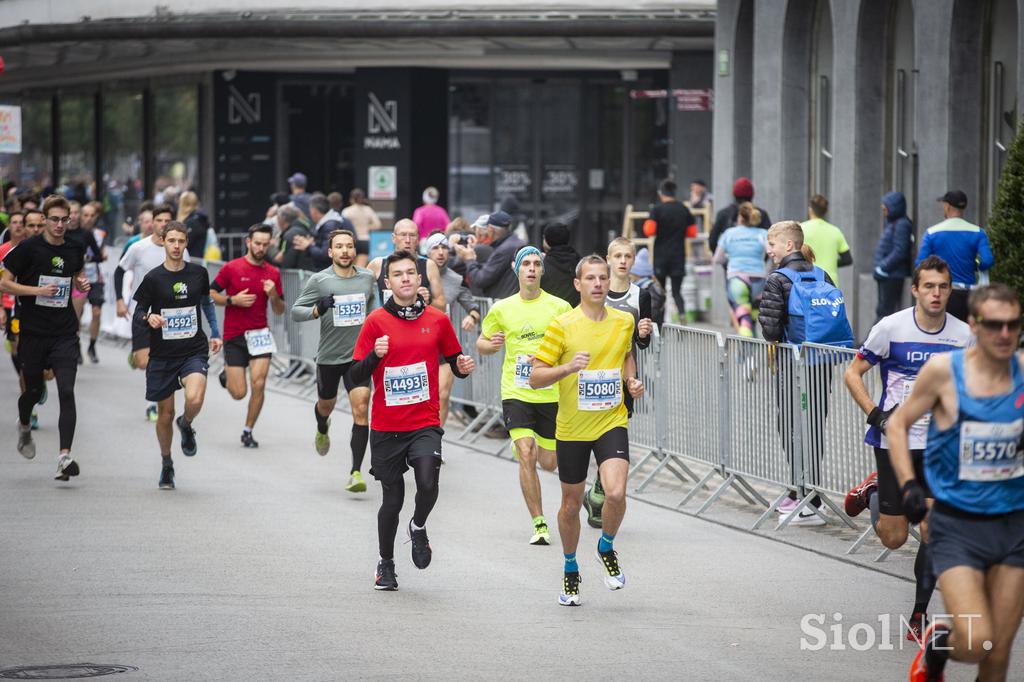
(523, 323)
(589, 401)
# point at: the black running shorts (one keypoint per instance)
(95, 294)
(38, 353)
(329, 377)
(391, 451)
(574, 455)
(140, 335)
(890, 497)
(957, 538)
(236, 352)
(164, 375)
(537, 417)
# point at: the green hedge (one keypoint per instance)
(1006, 226)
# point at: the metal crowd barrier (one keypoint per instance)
(749, 416)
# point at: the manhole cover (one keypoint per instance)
(63, 672)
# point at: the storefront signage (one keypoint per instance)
(10, 129)
(512, 180)
(383, 182)
(559, 180)
(381, 124)
(702, 99)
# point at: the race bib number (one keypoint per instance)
(260, 342)
(926, 419)
(349, 310)
(599, 389)
(406, 385)
(524, 367)
(988, 451)
(179, 323)
(59, 299)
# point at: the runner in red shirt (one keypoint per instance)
(245, 285)
(405, 429)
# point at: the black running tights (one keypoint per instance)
(65, 376)
(427, 471)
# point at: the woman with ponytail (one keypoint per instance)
(742, 249)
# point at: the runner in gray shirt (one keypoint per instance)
(341, 297)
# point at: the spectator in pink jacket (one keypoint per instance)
(430, 217)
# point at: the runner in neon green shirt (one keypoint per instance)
(517, 324)
(831, 251)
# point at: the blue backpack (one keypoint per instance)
(817, 311)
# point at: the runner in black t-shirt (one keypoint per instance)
(672, 219)
(41, 273)
(168, 301)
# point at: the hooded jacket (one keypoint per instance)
(559, 271)
(495, 277)
(894, 253)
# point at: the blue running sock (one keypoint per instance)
(570, 563)
(605, 543)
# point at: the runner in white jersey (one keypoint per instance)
(137, 261)
(900, 344)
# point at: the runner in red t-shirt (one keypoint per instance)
(405, 428)
(245, 285)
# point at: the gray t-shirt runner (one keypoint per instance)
(339, 328)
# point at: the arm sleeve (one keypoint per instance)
(302, 309)
(210, 313)
(876, 346)
(552, 345)
(985, 258)
(449, 343)
(453, 362)
(845, 258)
(119, 283)
(318, 249)
(466, 300)
(922, 253)
(645, 313)
(489, 273)
(773, 310)
(491, 323)
(362, 371)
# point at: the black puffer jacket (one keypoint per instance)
(775, 300)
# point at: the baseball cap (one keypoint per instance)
(743, 188)
(500, 219)
(642, 264)
(481, 221)
(298, 179)
(955, 198)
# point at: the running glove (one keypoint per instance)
(879, 418)
(324, 304)
(914, 506)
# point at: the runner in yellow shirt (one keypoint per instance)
(587, 352)
(517, 323)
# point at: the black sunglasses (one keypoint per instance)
(996, 326)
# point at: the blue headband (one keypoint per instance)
(523, 253)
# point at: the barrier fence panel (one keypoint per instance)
(643, 426)
(835, 456)
(687, 398)
(763, 414)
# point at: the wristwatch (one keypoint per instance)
(228, 302)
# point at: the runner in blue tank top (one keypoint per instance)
(974, 465)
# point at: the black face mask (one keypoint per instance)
(406, 312)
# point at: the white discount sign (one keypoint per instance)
(10, 129)
(383, 182)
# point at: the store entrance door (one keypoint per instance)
(315, 135)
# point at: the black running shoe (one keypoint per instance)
(93, 358)
(223, 377)
(167, 477)
(188, 437)
(386, 578)
(570, 595)
(248, 441)
(421, 552)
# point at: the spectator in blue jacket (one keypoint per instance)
(893, 255)
(961, 244)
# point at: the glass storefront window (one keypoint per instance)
(469, 151)
(31, 169)
(77, 147)
(122, 158)
(175, 139)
